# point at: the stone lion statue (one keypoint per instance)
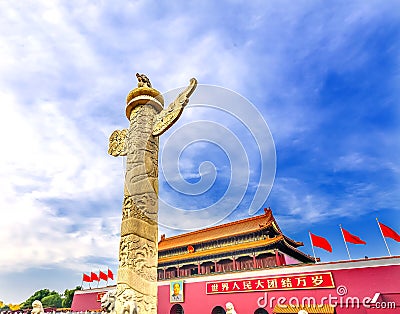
(230, 309)
(108, 301)
(37, 307)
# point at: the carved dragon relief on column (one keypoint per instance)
(138, 253)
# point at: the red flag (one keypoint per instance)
(320, 242)
(94, 276)
(110, 274)
(348, 237)
(86, 278)
(389, 232)
(103, 275)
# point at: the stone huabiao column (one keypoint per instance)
(138, 252)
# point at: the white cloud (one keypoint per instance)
(48, 158)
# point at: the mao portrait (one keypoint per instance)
(176, 291)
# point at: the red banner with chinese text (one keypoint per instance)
(289, 282)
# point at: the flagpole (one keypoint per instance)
(99, 279)
(107, 277)
(345, 243)
(82, 282)
(384, 239)
(312, 246)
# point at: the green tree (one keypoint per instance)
(52, 300)
(5, 307)
(38, 295)
(68, 296)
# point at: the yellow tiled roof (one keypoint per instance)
(315, 309)
(230, 229)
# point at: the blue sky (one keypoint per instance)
(324, 78)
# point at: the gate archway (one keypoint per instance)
(218, 310)
(176, 309)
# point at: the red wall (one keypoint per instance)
(361, 278)
(360, 282)
(87, 301)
